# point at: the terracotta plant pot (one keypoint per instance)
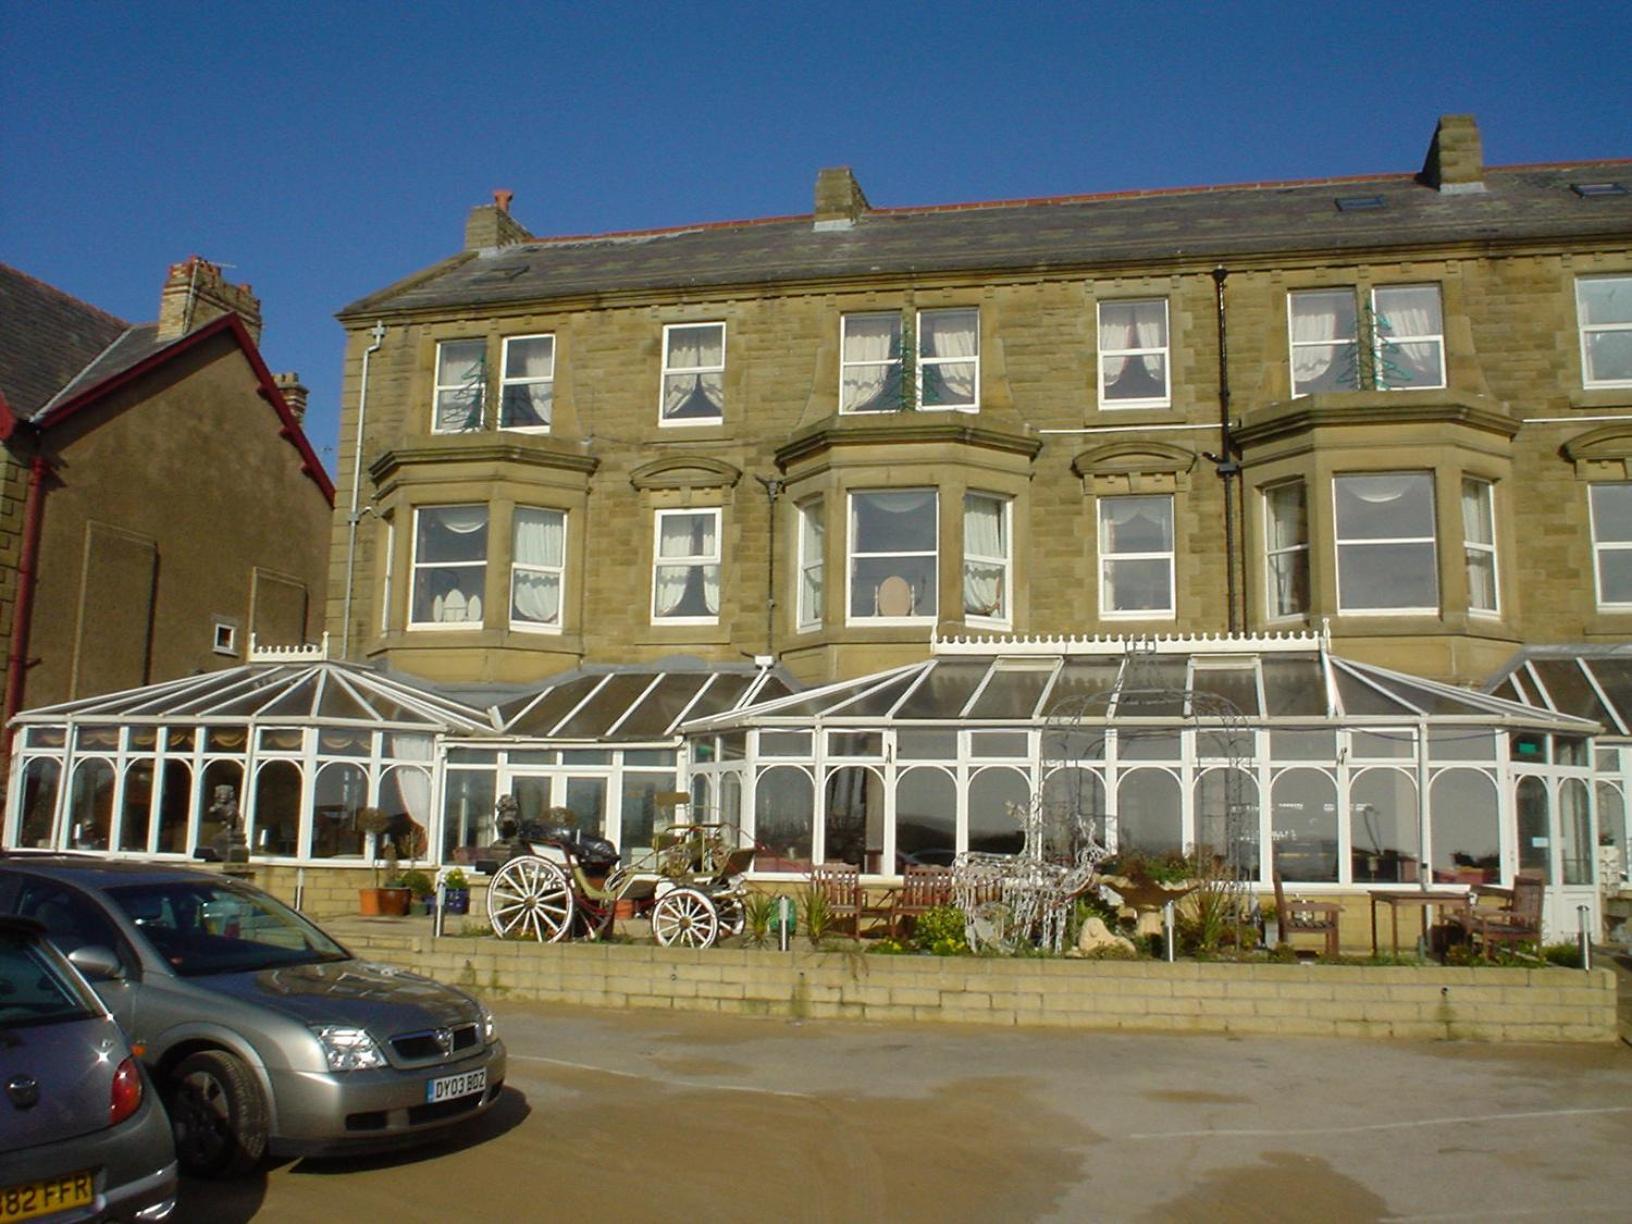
(384, 902)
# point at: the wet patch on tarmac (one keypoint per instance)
(1283, 1186)
(1181, 1097)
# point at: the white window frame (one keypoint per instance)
(920, 361)
(438, 386)
(1005, 561)
(1584, 329)
(693, 561)
(808, 618)
(506, 382)
(1488, 505)
(1293, 344)
(414, 565)
(666, 422)
(851, 556)
(560, 572)
(389, 574)
(846, 365)
(1271, 552)
(224, 636)
(1107, 559)
(1599, 547)
(1437, 339)
(1165, 400)
(1338, 545)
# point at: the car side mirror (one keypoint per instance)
(97, 963)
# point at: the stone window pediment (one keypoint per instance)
(685, 472)
(1602, 454)
(1134, 467)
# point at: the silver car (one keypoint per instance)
(82, 1134)
(264, 1034)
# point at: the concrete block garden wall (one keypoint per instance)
(1427, 1002)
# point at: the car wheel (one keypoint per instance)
(217, 1114)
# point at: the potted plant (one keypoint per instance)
(422, 888)
(456, 892)
(390, 899)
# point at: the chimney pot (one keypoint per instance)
(294, 394)
(502, 198)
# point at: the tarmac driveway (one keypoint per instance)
(626, 1115)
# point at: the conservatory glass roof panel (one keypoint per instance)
(1360, 699)
(655, 715)
(1012, 692)
(1571, 691)
(726, 693)
(609, 704)
(1236, 685)
(539, 713)
(1295, 687)
(946, 690)
(1614, 677)
(296, 701)
(1083, 687)
(880, 701)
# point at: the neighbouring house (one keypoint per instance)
(1194, 516)
(162, 505)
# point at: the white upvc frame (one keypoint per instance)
(806, 617)
(389, 568)
(1339, 544)
(845, 364)
(442, 348)
(1005, 561)
(506, 382)
(1293, 344)
(1487, 507)
(666, 422)
(702, 561)
(1601, 546)
(922, 361)
(558, 571)
(415, 565)
(1164, 350)
(1106, 560)
(1288, 552)
(1437, 339)
(851, 556)
(1585, 329)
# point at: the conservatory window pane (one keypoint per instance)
(1465, 828)
(1073, 808)
(41, 779)
(90, 806)
(175, 807)
(1383, 828)
(276, 819)
(638, 811)
(138, 806)
(1226, 820)
(1535, 843)
(926, 818)
(467, 813)
(784, 819)
(853, 830)
(926, 745)
(1148, 819)
(1303, 825)
(1575, 832)
(998, 799)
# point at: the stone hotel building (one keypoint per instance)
(1294, 517)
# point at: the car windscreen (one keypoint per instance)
(35, 988)
(202, 927)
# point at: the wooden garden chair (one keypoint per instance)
(840, 885)
(1300, 917)
(1517, 919)
(922, 889)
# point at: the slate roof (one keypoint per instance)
(135, 345)
(1206, 224)
(47, 337)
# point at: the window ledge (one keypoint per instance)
(1599, 399)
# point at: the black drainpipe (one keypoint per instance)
(1225, 462)
(773, 490)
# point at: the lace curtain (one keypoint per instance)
(691, 588)
(948, 334)
(872, 363)
(540, 544)
(701, 393)
(1323, 329)
(982, 543)
(1409, 311)
(1128, 325)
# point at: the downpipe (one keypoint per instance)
(354, 514)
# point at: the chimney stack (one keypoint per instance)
(1456, 157)
(294, 394)
(840, 202)
(195, 292)
(491, 225)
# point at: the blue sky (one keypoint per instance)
(324, 150)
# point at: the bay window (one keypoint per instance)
(693, 373)
(812, 533)
(1479, 543)
(1386, 556)
(1136, 557)
(461, 385)
(527, 387)
(1603, 306)
(894, 548)
(1286, 548)
(686, 567)
(1611, 514)
(449, 567)
(986, 582)
(1133, 354)
(537, 569)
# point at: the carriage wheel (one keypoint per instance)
(686, 918)
(530, 896)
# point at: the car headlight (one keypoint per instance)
(349, 1049)
(489, 1029)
